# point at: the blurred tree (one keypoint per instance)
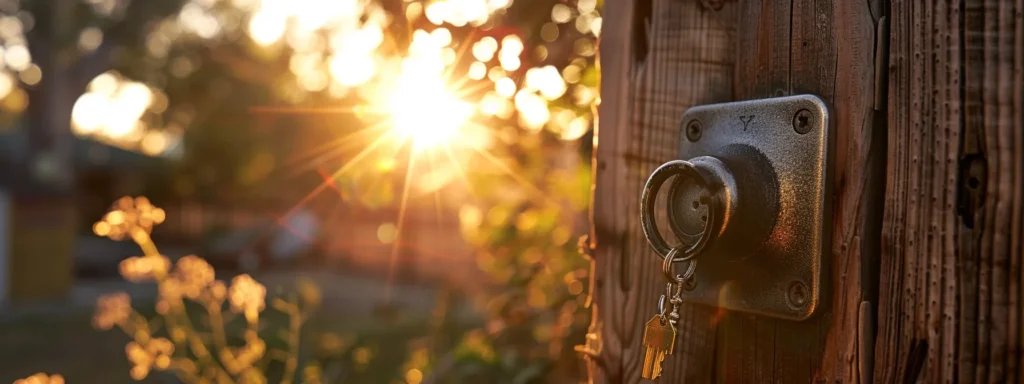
(39, 45)
(66, 45)
(209, 64)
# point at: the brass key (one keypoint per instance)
(660, 332)
(659, 340)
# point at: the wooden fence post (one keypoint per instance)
(927, 209)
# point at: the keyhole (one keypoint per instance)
(697, 205)
(803, 121)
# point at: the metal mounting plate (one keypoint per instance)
(785, 277)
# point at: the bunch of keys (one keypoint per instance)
(660, 332)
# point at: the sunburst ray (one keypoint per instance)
(399, 227)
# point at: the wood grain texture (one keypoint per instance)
(830, 49)
(701, 53)
(615, 51)
(647, 83)
(949, 307)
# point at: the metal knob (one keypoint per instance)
(731, 198)
(750, 198)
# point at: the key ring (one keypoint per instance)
(679, 168)
(679, 282)
(673, 278)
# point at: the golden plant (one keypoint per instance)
(41, 378)
(188, 289)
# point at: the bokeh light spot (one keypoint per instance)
(505, 87)
(561, 13)
(549, 32)
(90, 39)
(477, 70)
(266, 28)
(31, 75)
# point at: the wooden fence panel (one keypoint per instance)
(659, 58)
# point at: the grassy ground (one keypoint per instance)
(64, 342)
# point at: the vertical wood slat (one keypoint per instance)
(608, 230)
(689, 62)
(830, 54)
(951, 277)
(1016, 334)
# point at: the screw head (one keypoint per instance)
(797, 294)
(693, 130)
(802, 121)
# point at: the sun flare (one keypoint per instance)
(424, 111)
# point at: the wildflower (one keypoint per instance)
(251, 375)
(141, 361)
(247, 296)
(161, 349)
(178, 335)
(41, 378)
(170, 291)
(129, 216)
(218, 291)
(111, 310)
(238, 360)
(193, 275)
(139, 269)
(252, 351)
(156, 354)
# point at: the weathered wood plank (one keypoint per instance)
(951, 278)
(1017, 224)
(688, 61)
(611, 136)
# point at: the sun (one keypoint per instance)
(423, 110)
